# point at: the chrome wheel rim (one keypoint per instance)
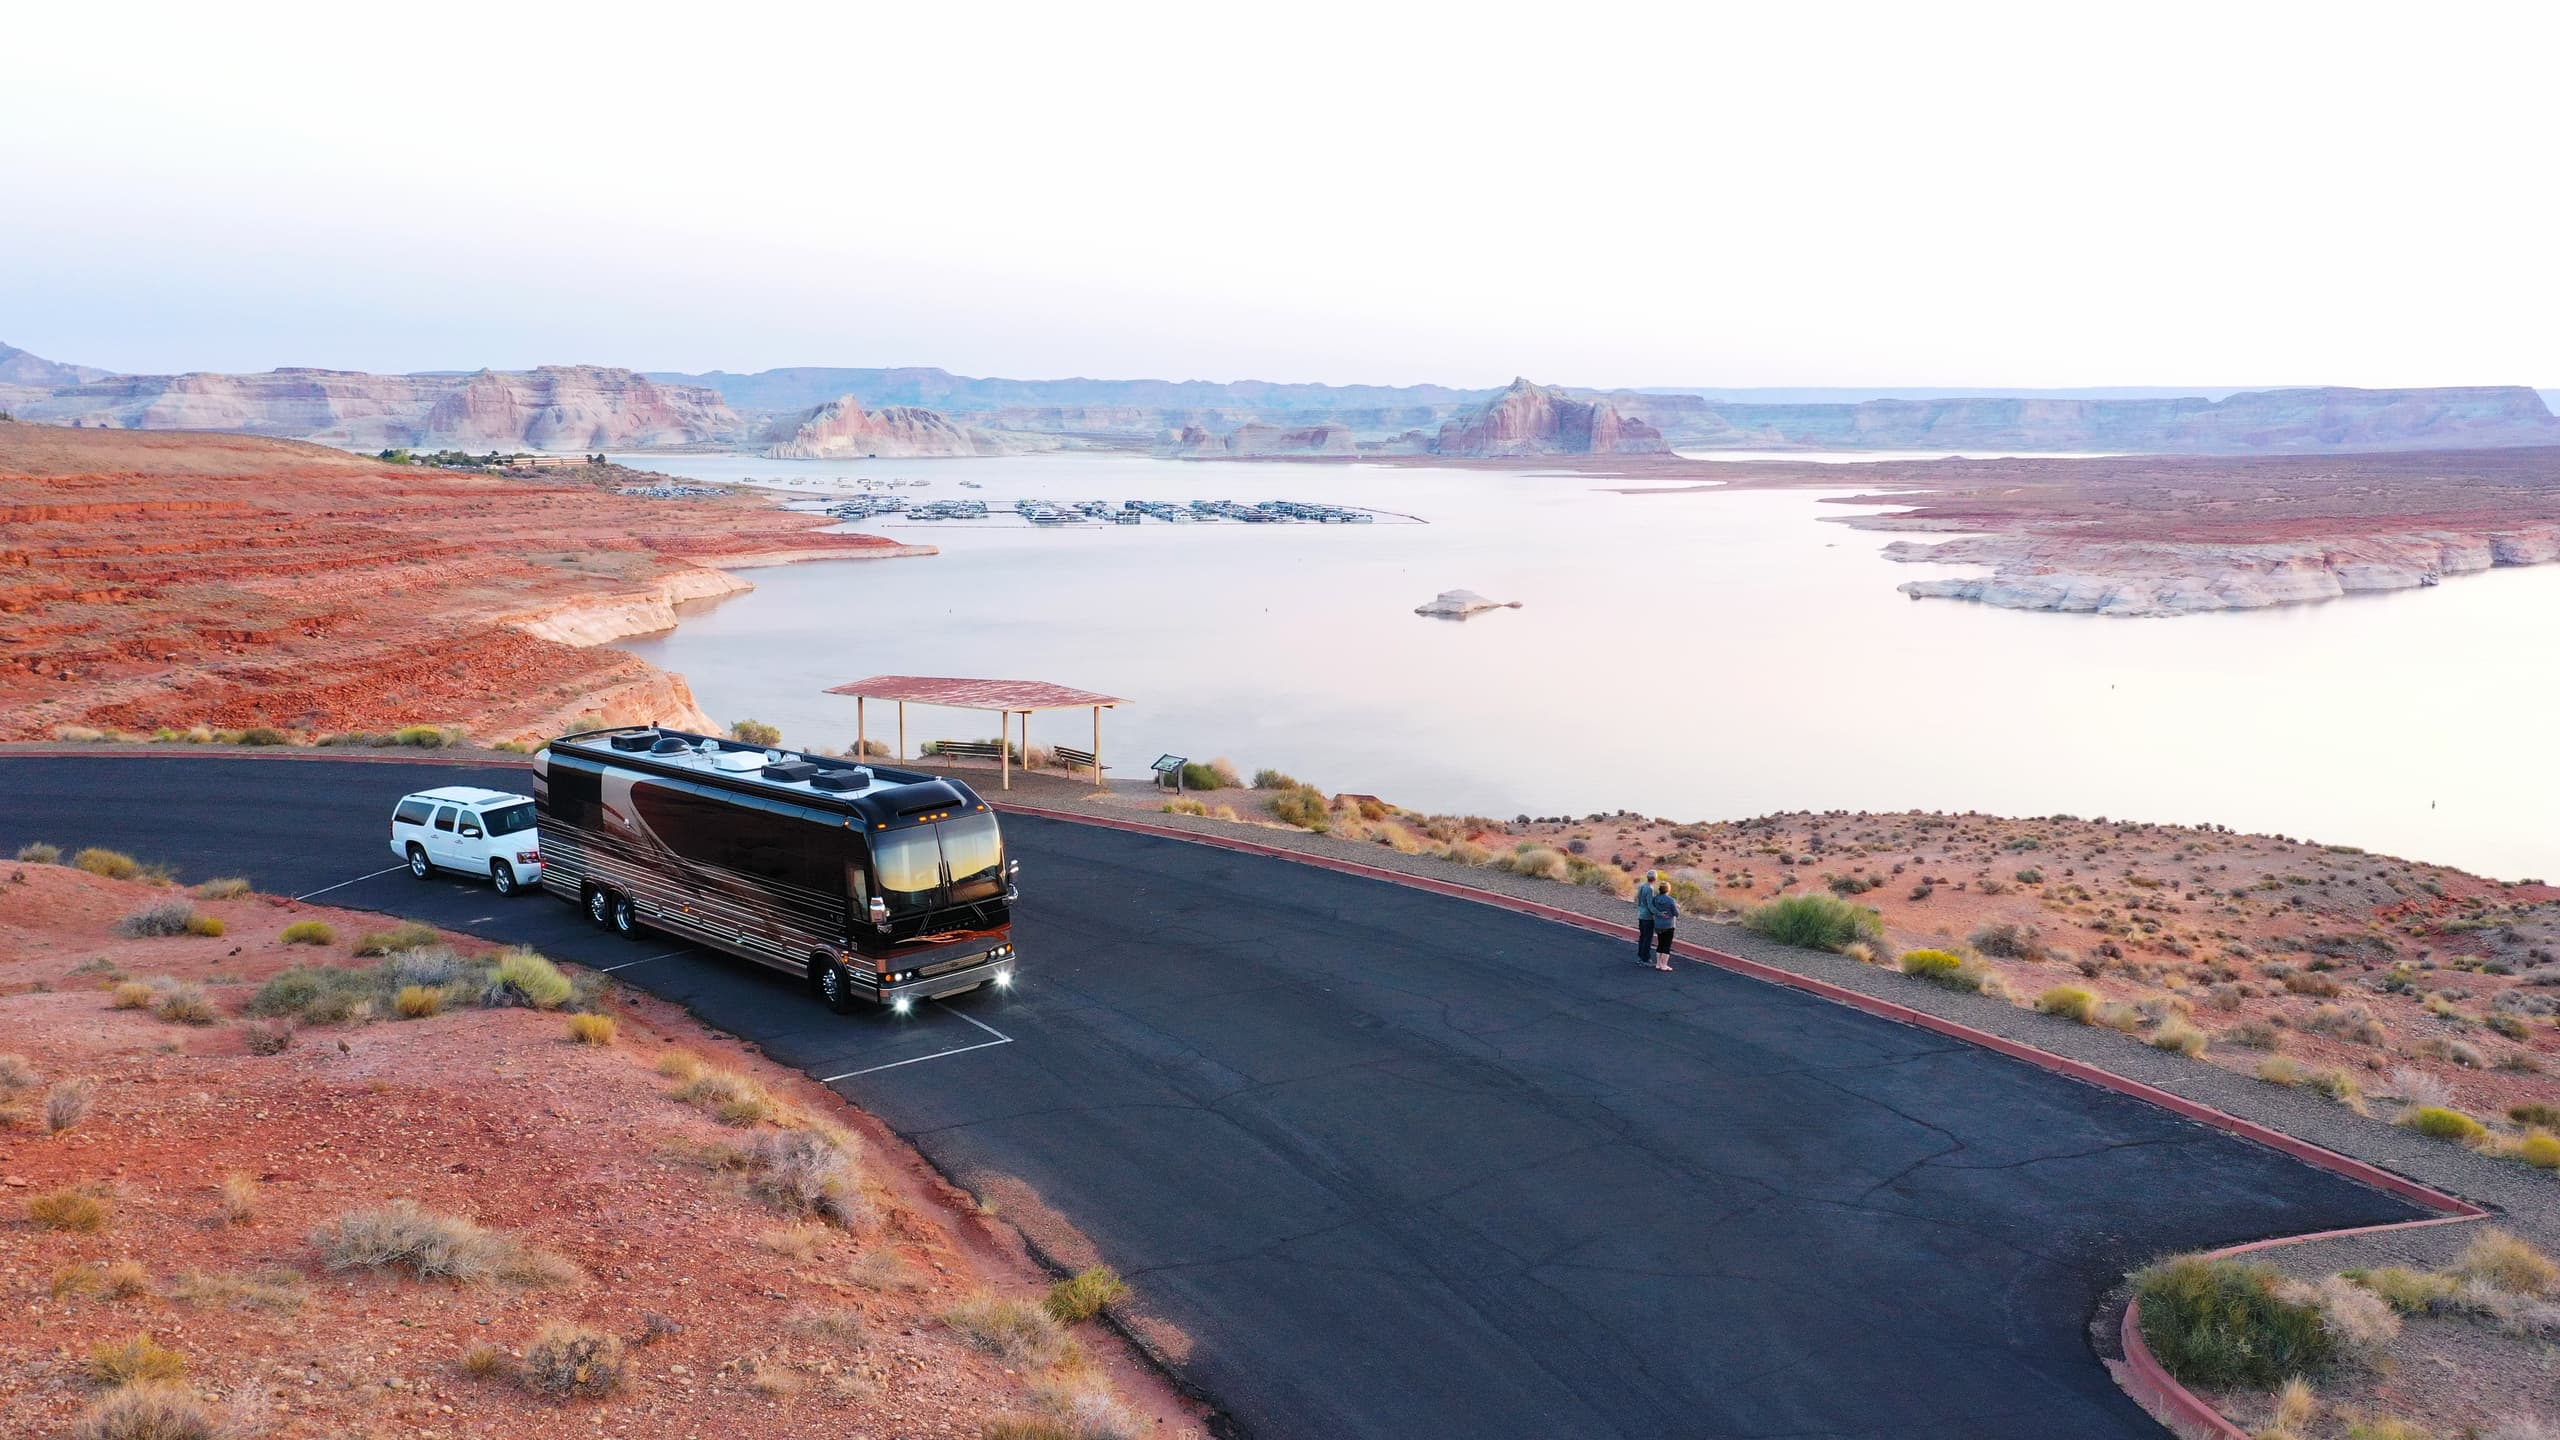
(418, 863)
(598, 908)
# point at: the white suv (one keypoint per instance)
(481, 832)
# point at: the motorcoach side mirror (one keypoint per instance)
(879, 912)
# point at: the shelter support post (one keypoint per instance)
(902, 732)
(1097, 747)
(861, 745)
(1004, 745)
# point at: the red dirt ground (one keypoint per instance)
(485, 1113)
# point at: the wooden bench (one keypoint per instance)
(969, 749)
(1072, 759)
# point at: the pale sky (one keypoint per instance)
(1597, 194)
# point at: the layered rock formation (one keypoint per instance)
(2136, 578)
(842, 430)
(1254, 440)
(1529, 419)
(555, 407)
(1459, 604)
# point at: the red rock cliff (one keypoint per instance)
(1529, 419)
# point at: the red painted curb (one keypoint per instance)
(177, 751)
(2142, 1376)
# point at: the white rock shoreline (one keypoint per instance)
(2143, 578)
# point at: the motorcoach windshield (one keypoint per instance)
(913, 866)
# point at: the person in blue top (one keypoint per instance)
(1644, 916)
(1666, 917)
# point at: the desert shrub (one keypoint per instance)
(408, 935)
(2500, 1259)
(274, 1290)
(1215, 775)
(2357, 1319)
(239, 1198)
(136, 1358)
(2180, 1038)
(417, 1002)
(679, 1065)
(571, 1361)
(169, 917)
(309, 932)
(37, 852)
(184, 1005)
(2541, 1150)
(80, 1208)
(16, 1074)
(1269, 779)
(2030, 876)
(484, 1361)
(1015, 1331)
(2347, 1022)
(406, 1236)
(2069, 1002)
(149, 1410)
(2338, 1085)
(810, 1171)
(131, 995)
(1931, 964)
(264, 735)
(2227, 1323)
(525, 977)
(1814, 921)
(1184, 805)
(1076, 1408)
(315, 994)
(67, 1103)
(113, 864)
(796, 1242)
(424, 737)
(267, 1037)
(2255, 1035)
(2436, 1122)
(592, 1029)
(756, 733)
(2305, 982)
(1085, 1295)
(2417, 1088)
(230, 887)
(841, 1324)
(1304, 807)
(883, 1270)
(2521, 1427)
(209, 927)
(1533, 860)
(2007, 940)
(2411, 1292)
(2277, 1070)
(2387, 1427)
(731, 1097)
(2546, 1116)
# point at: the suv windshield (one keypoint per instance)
(911, 863)
(508, 819)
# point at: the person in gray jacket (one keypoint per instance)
(1644, 917)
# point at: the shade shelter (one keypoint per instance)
(1008, 698)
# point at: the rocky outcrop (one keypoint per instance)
(1529, 419)
(555, 407)
(2136, 578)
(20, 368)
(842, 430)
(1459, 604)
(1255, 440)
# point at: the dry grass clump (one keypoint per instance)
(81, 1208)
(2296, 1408)
(2539, 1149)
(1085, 1295)
(730, 1097)
(123, 1362)
(1081, 1408)
(884, 1270)
(166, 918)
(2178, 1038)
(796, 1242)
(590, 1029)
(309, 932)
(206, 927)
(1533, 860)
(131, 995)
(528, 978)
(229, 887)
(838, 1323)
(2439, 1123)
(2500, 1259)
(810, 1171)
(680, 1065)
(239, 1198)
(484, 1361)
(275, 1290)
(2418, 1089)
(150, 1410)
(113, 864)
(1814, 922)
(37, 852)
(417, 1002)
(124, 1279)
(1955, 972)
(407, 936)
(2069, 1002)
(16, 1074)
(1014, 1331)
(184, 1005)
(2388, 1427)
(267, 1037)
(405, 1236)
(67, 1103)
(2277, 1070)
(571, 1361)
(2227, 1323)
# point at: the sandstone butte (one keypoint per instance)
(1255, 438)
(1531, 419)
(842, 430)
(158, 579)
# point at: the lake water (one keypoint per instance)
(1705, 655)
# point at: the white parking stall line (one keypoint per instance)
(920, 1059)
(343, 884)
(981, 1024)
(643, 960)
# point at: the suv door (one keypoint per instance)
(440, 838)
(471, 842)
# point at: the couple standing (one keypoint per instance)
(1657, 913)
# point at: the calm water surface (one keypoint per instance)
(1700, 656)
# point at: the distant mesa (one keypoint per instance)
(1530, 419)
(1255, 438)
(1459, 604)
(842, 430)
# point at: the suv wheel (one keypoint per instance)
(418, 864)
(833, 983)
(600, 905)
(626, 917)
(502, 875)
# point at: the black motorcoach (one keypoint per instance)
(880, 886)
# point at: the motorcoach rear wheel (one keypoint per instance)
(600, 906)
(626, 917)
